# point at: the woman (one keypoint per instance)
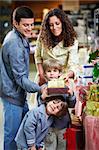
(57, 40)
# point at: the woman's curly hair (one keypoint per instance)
(68, 33)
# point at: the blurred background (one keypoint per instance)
(81, 13)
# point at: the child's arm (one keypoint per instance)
(29, 128)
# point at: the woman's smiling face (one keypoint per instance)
(55, 25)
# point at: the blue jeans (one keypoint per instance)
(12, 121)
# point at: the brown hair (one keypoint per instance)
(64, 109)
(21, 12)
(64, 105)
(52, 63)
(68, 33)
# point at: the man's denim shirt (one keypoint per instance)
(14, 63)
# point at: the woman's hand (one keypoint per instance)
(41, 79)
(69, 75)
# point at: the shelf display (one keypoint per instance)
(92, 104)
(91, 125)
(91, 118)
(96, 22)
(5, 23)
(94, 57)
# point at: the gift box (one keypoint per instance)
(87, 69)
(92, 108)
(82, 92)
(74, 138)
(93, 94)
(87, 79)
(79, 106)
(57, 86)
(91, 125)
(57, 90)
(81, 97)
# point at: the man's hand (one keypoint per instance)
(44, 93)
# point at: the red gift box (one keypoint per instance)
(74, 139)
(57, 90)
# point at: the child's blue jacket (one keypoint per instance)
(34, 128)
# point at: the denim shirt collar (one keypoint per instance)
(24, 40)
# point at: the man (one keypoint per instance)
(14, 73)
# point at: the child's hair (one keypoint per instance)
(55, 97)
(52, 63)
(64, 105)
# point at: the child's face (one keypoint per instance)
(53, 107)
(52, 73)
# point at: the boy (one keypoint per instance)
(36, 123)
(54, 139)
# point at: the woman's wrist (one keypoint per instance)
(70, 74)
(41, 74)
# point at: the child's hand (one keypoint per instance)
(75, 120)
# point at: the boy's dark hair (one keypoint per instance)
(55, 97)
(63, 110)
(64, 105)
(22, 12)
(52, 63)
